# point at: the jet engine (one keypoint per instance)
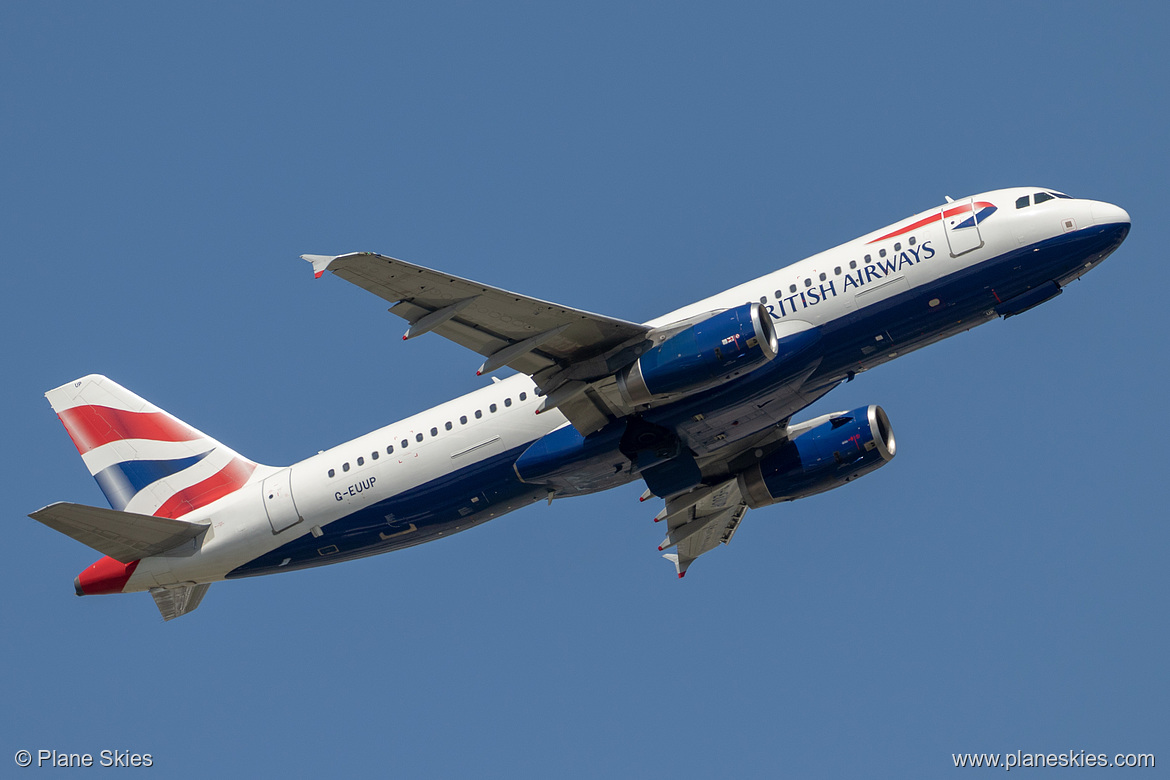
(720, 347)
(826, 456)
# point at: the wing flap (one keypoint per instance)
(124, 536)
(699, 522)
(477, 339)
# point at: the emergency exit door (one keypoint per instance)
(961, 224)
(278, 501)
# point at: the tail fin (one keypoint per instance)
(145, 460)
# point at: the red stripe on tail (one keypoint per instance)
(227, 480)
(92, 426)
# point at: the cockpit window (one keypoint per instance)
(1024, 202)
(1042, 196)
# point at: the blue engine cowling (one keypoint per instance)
(838, 451)
(572, 464)
(720, 347)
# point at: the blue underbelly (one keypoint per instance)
(451, 503)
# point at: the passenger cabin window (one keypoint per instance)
(434, 432)
(507, 402)
(792, 288)
(868, 258)
(852, 264)
(404, 443)
(822, 277)
(389, 449)
(478, 414)
(763, 299)
(911, 240)
(837, 270)
(345, 467)
(332, 473)
(897, 247)
(418, 437)
(374, 455)
(524, 396)
(881, 253)
(492, 408)
(1042, 196)
(463, 420)
(361, 461)
(808, 282)
(447, 425)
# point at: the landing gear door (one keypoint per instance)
(278, 501)
(961, 224)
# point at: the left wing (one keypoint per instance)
(699, 521)
(561, 348)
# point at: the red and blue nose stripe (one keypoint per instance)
(982, 210)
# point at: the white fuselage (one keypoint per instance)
(840, 285)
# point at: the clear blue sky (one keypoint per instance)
(1002, 585)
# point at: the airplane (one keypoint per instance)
(696, 404)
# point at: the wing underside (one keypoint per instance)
(563, 349)
(700, 521)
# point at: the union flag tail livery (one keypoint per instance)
(697, 404)
(145, 460)
(155, 471)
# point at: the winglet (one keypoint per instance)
(681, 568)
(320, 263)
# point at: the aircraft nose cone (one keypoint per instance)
(1108, 214)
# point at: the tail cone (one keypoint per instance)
(105, 576)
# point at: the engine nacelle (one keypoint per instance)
(822, 458)
(720, 347)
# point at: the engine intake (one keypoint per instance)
(846, 447)
(720, 347)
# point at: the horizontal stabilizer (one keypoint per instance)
(124, 536)
(172, 602)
